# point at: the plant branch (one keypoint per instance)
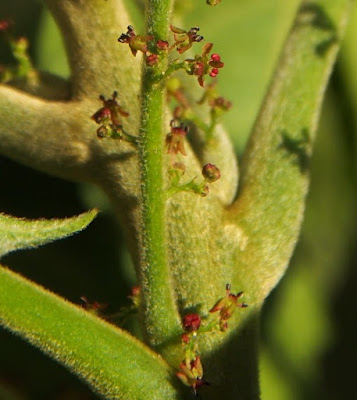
(274, 177)
(98, 63)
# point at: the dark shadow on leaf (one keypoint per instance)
(313, 14)
(297, 148)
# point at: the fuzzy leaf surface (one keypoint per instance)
(112, 362)
(19, 233)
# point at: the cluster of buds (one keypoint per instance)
(204, 64)
(175, 139)
(226, 307)
(191, 373)
(185, 39)
(109, 117)
(142, 43)
(210, 174)
(200, 66)
(135, 42)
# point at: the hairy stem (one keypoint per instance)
(160, 313)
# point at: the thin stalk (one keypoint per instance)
(159, 307)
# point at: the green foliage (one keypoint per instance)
(17, 233)
(111, 361)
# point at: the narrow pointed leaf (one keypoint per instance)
(114, 363)
(274, 177)
(18, 233)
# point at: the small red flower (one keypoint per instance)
(185, 39)
(175, 139)
(110, 112)
(136, 42)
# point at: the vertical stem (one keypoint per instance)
(160, 312)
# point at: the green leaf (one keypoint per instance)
(114, 363)
(275, 170)
(18, 233)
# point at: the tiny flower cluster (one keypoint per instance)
(226, 307)
(175, 143)
(109, 118)
(142, 43)
(201, 65)
(217, 104)
(204, 64)
(185, 39)
(175, 138)
(191, 373)
(191, 370)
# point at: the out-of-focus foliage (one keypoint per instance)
(305, 353)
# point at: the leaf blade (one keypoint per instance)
(19, 233)
(274, 178)
(115, 364)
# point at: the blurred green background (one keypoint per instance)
(309, 327)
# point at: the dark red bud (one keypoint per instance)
(214, 72)
(191, 322)
(152, 59)
(215, 57)
(211, 172)
(101, 115)
(162, 44)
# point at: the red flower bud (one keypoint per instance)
(215, 57)
(211, 172)
(191, 322)
(162, 44)
(152, 59)
(214, 72)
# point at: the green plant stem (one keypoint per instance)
(160, 313)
